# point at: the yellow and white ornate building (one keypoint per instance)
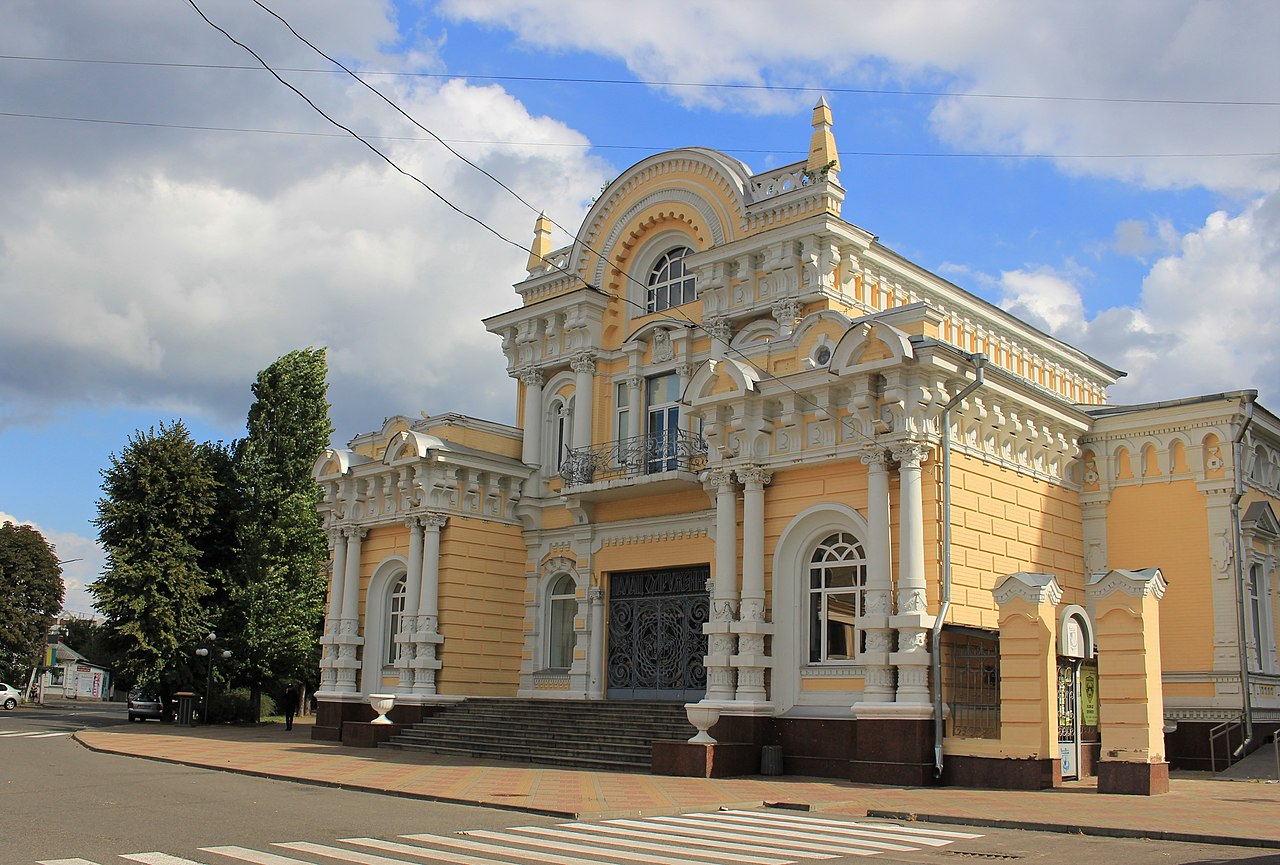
(769, 467)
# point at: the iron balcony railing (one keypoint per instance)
(678, 450)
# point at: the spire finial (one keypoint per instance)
(541, 247)
(824, 159)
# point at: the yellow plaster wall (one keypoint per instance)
(1003, 522)
(824, 684)
(613, 558)
(642, 507)
(1164, 525)
(480, 440)
(482, 574)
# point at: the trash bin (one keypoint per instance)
(771, 760)
(186, 708)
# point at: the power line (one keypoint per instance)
(645, 148)
(639, 82)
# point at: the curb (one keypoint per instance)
(1075, 829)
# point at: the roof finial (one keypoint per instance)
(824, 159)
(541, 247)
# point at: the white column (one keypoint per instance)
(584, 368)
(349, 623)
(595, 597)
(338, 566)
(412, 599)
(531, 453)
(428, 637)
(752, 626)
(913, 620)
(879, 592)
(724, 593)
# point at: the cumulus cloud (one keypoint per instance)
(166, 270)
(82, 561)
(1206, 321)
(1096, 48)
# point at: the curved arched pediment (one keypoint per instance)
(870, 345)
(720, 380)
(332, 463)
(709, 183)
(645, 332)
(813, 319)
(409, 445)
(761, 330)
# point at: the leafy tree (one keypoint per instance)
(277, 596)
(30, 597)
(159, 497)
(92, 640)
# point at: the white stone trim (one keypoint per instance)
(1033, 588)
(1137, 584)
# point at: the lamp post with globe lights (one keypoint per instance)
(207, 651)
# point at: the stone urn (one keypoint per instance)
(703, 717)
(382, 704)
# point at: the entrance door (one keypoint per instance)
(1069, 718)
(656, 644)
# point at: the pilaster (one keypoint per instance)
(1028, 665)
(752, 626)
(721, 678)
(878, 636)
(427, 638)
(912, 621)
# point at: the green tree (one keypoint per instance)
(30, 597)
(278, 594)
(159, 496)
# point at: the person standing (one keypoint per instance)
(291, 701)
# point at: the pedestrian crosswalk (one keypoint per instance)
(739, 837)
(33, 734)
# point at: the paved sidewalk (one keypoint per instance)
(1197, 809)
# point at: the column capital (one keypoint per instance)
(355, 532)
(754, 476)
(911, 455)
(595, 594)
(720, 478)
(532, 376)
(632, 381)
(718, 327)
(875, 457)
(433, 521)
(583, 361)
(413, 524)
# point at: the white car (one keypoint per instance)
(10, 696)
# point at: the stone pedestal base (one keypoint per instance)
(694, 760)
(362, 734)
(1001, 773)
(1133, 779)
(895, 751)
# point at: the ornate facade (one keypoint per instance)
(768, 466)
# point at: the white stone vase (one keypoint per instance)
(703, 718)
(382, 704)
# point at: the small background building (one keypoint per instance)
(69, 675)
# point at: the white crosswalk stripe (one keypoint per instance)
(32, 734)
(731, 837)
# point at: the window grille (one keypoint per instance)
(971, 682)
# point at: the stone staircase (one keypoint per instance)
(584, 734)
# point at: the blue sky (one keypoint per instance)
(149, 269)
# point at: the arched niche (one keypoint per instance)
(870, 346)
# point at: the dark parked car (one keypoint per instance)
(144, 705)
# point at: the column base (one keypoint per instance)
(1133, 779)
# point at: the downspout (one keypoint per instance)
(979, 361)
(1237, 456)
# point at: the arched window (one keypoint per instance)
(670, 284)
(395, 609)
(837, 581)
(559, 431)
(562, 605)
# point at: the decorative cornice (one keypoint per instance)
(1137, 584)
(1036, 589)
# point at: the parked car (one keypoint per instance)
(10, 696)
(144, 705)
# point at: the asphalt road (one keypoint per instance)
(60, 802)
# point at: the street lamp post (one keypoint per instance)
(207, 652)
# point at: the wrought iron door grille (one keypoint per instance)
(656, 644)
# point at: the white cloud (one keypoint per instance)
(1207, 319)
(1172, 50)
(169, 277)
(82, 560)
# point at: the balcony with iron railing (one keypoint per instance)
(662, 456)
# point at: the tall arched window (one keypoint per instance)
(395, 609)
(1256, 612)
(562, 605)
(837, 582)
(670, 283)
(559, 431)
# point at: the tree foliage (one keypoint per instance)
(279, 591)
(30, 597)
(159, 497)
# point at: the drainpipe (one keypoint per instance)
(979, 361)
(1237, 456)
